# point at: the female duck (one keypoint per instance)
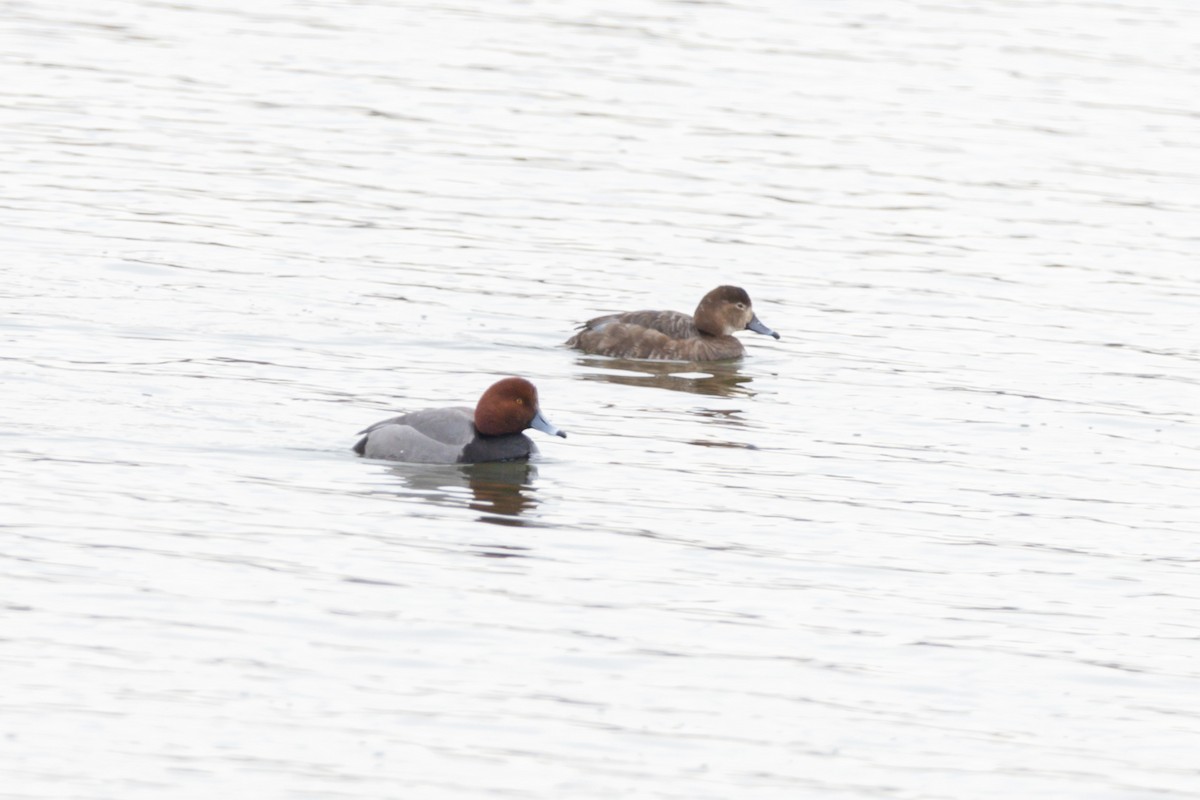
(706, 336)
(458, 435)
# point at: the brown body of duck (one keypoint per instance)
(706, 335)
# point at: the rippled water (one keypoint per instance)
(938, 541)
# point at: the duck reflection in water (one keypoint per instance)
(716, 379)
(502, 491)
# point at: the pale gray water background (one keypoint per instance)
(940, 541)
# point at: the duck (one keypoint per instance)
(492, 431)
(706, 335)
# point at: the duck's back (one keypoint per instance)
(652, 334)
(672, 324)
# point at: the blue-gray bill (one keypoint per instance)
(543, 425)
(758, 327)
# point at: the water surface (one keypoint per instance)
(939, 541)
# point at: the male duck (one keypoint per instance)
(458, 435)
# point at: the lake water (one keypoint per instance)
(940, 541)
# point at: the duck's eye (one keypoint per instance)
(520, 401)
(742, 306)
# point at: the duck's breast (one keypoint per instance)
(510, 447)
